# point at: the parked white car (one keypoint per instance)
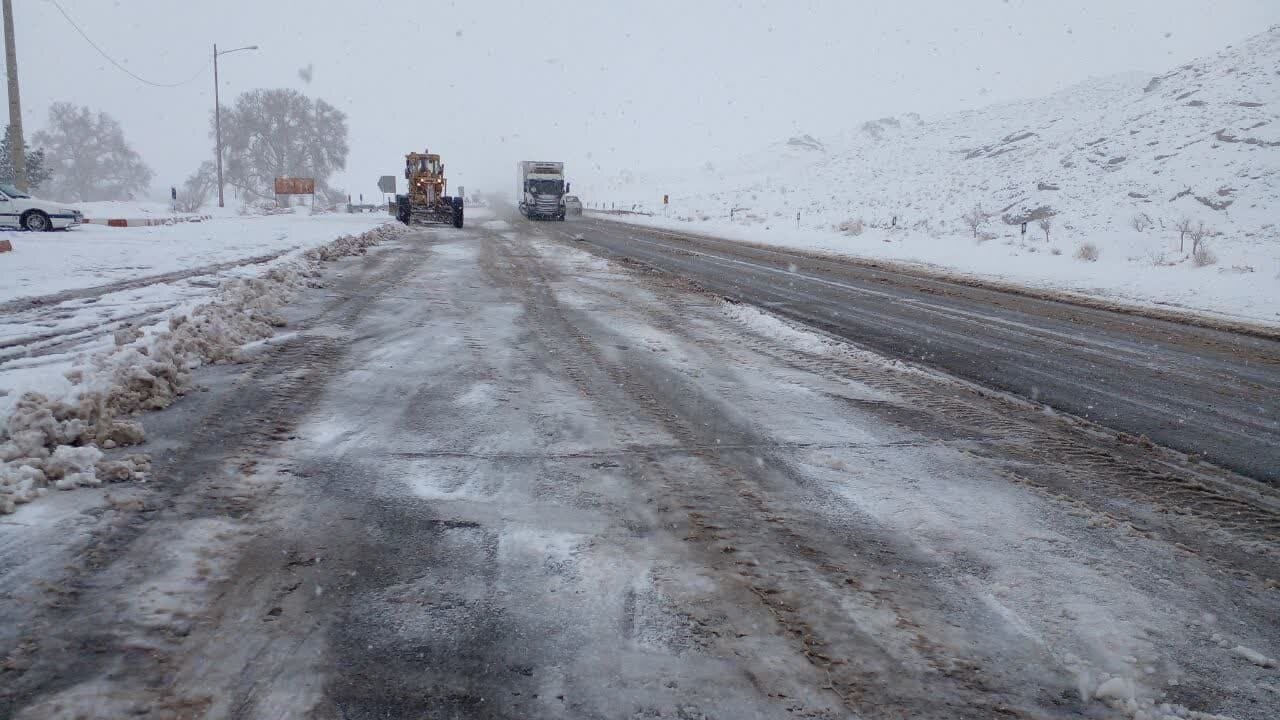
(18, 209)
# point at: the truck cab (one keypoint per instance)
(541, 189)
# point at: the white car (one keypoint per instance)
(18, 209)
(572, 205)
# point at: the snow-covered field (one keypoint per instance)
(92, 255)
(74, 366)
(1117, 163)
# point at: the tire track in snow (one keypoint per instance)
(44, 301)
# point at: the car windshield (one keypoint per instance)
(12, 191)
(544, 187)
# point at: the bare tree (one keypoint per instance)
(282, 133)
(975, 219)
(1198, 234)
(89, 158)
(1045, 224)
(1183, 227)
(1140, 222)
(197, 188)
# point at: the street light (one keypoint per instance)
(217, 111)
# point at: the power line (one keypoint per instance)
(112, 60)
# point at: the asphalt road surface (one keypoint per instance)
(1212, 393)
(485, 474)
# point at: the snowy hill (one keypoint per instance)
(1100, 159)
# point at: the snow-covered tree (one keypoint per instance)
(88, 157)
(37, 168)
(281, 133)
(197, 189)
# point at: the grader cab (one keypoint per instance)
(426, 201)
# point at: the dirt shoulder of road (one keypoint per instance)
(1180, 315)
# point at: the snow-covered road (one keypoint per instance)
(489, 475)
(1185, 386)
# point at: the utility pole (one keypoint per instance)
(217, 112)
(217, 123)
(17, 148)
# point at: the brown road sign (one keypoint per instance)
(295, 186)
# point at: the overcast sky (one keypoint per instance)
(603, 84)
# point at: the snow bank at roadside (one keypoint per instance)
(53, 441)
(1138, 276)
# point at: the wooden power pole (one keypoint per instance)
(17, 149)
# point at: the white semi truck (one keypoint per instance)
(540, 189)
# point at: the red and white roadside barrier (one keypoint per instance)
(146, 222)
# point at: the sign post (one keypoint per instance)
(295, 186)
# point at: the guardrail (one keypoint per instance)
(145, 222)
(618, 212)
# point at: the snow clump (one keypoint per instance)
(54, 441)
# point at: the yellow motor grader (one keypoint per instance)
(426, 201)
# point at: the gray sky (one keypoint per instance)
(604, 85)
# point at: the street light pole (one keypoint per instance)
(217, 114)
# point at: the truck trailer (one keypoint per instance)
(540, 189)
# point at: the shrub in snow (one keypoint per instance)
(55, 440)
(852, 227)
(975, 219)
(1088, 252)
(1202, 256)
(1055, 251)
(1140, 222)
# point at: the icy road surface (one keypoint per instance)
(1199, 390)
(488, 475)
